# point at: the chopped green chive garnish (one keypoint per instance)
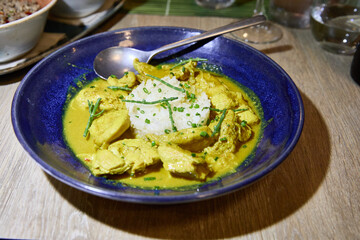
(146, 91)
(165, 83)
(193, 155)
(243, 123)
(119, 88)
(163, 105)
(171, 117)
(153, 102)
(147, 121)
(153, 143)
(149, 178)
(167, 131)
(240, 109)
(216, 158)
(182, 62)
(204, 134)
(180, 109)
(223, 139)
(92, 110)
(217, 127)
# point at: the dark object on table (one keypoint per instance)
(355, 65)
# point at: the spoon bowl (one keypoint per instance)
(118, 60)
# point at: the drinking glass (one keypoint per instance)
(265, 32)
(294, 13)
(335, 24)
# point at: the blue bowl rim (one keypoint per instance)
(156, 199)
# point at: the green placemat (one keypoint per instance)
(240, 9)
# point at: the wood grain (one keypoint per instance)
(313, 194)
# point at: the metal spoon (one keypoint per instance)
(118, 60)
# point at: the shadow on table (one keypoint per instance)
(277, 49)
(268, 201)
(13, 77)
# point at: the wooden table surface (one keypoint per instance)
(313, 194)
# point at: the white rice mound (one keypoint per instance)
(154, 118)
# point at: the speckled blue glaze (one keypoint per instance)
(38, 106)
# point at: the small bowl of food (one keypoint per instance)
(21, 26)
(76, 9)
(200, 122)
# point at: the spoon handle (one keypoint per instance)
(211, 33)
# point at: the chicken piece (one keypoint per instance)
(239, 99)
(192, 139)
(145, 69)
(105, 162)
(109, 126)
(228, 136)
(109, 99)
(221, 97)
(223, 100)
(183, 163)
(182, 72)
(244, 132)
(128, 80)
(247, 116)
(221, 155)
(185, 71)
(137, 153)
(224, 162)
(209, 84)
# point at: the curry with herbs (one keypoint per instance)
(168, 126)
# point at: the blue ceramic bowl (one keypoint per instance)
(38, 106)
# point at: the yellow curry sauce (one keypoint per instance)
(112, 150)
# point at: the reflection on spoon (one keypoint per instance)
(117, 60)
